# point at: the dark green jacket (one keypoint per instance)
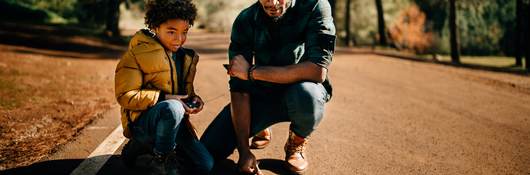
(306, 33)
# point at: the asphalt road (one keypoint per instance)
(387, 116)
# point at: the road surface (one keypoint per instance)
(387, 116)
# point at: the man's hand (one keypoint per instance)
(248, 164)
(239, 67)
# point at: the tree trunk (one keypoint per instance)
(526, 31)
(113, 18)
(519, 33)
(347, 39)
(381, 22)
(333, 4)
(455, 47)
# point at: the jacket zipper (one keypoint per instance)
(171, 69)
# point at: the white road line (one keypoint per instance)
(101, 154)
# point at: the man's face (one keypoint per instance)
(173, 33)
(275, 8)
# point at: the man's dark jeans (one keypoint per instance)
(302, 104)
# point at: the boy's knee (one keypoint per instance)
(172, 107)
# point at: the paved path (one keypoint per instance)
(387, 116)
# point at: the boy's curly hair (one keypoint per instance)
(159, 11)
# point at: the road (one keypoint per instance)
(387, 116)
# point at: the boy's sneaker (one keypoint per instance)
(164, 164)
(131, 151)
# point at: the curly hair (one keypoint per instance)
(159, 11)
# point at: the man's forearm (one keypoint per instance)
(240, 107)
(306, 71)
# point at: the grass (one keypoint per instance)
(493, 61)
(11, 95)
(497, 62)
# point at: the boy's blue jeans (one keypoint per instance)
(302, 104)
(161, 126)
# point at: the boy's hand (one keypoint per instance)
(182, 98)
(200, 104)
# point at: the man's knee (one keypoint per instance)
(205, 167)
(306, 97)
(305, 102)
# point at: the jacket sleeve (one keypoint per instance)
(128, 86)
(241, 44)
(320, 38)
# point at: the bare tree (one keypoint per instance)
(519, 33)
(455, 47)
(526, 31)
(113, 18)
(333, 4)
(347, 39)
(381, 22)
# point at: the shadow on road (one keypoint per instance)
(274, 165)
(115, 166)
(46, 167)
(64, 42)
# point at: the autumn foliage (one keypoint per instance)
(408, 31)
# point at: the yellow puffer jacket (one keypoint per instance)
(145, 71)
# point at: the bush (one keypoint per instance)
(219, 15)
(20, 11)
(408, 31)
(485, 26)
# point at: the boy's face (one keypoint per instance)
(173, 33)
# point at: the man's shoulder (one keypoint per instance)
(248, 13)
(308, 5)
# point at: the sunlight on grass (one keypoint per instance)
(10, 94)
(488, 61)
(493, 61)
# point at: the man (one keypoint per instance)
(291, 45)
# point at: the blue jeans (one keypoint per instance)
(161, 126)
(302, 104)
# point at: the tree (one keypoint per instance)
(455, 48)
(333, 4)
(347, 24)
(113, 18)
(526, 29)
(519, 33)
(381, 22)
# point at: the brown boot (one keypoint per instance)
(262, 139)
(294, 153)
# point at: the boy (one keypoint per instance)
(154, 86)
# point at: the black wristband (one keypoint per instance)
(250, 70)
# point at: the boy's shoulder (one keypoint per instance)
(143, 42)
(190, 52)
